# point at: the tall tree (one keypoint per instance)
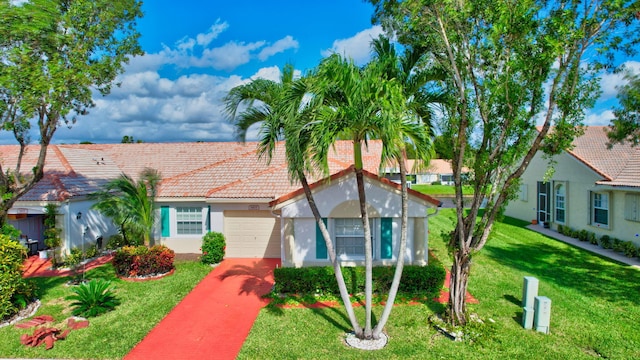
(510, 65)
(130, 202)
(54, 54)
(360, 104)
(626, 125)
(279, 109)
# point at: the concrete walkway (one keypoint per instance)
(214, 319)
(596, 249)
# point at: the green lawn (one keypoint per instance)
(112, 335)
(441, 189)
(595, 309)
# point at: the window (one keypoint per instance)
(632, 207)
(560, 203)
(600, 211)
(189, 220)
(349, 237)
(523, 193)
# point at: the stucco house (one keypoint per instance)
(221, 187)
(592, 188)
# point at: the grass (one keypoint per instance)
(594, 312)
(441, 189)
(114, 334)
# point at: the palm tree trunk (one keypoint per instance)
(395, 284)
(337, 269)
(368, 259)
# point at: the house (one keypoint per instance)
(220, 187)
(592, 188)
(438, 170)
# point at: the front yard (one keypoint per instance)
(114, 334)
(594, 313)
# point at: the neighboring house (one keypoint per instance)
(220, 187)
(438, 170)
(592, 188)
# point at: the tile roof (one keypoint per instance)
(618, 166)
(229, 170)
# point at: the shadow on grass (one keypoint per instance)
(44, 284)
(570, 267)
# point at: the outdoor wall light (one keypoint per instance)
(79, 216)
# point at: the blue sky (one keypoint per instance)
(197, 50)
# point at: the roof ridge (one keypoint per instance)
(268, 170)
(208, 166)
(64, 161)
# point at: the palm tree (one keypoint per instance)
(362, 104)
(131, 203)
(282, 113)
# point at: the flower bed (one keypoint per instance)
(140, 261)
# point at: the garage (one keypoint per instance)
(251, 234)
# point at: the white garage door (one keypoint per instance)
(251, 234)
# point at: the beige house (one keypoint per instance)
(221, 187)
(438, 170)
(592, 188)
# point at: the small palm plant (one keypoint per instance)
(93, 298)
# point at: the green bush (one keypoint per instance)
(132, 261)
(629, 249)
(10, 231)
(213, 248)
(16, 292)
(321, 280)
(93, 298)
(561, 229)
(583, 235)
(593, 239)
(617, 245)
(436, 183)
(605, 242)
(117, 241)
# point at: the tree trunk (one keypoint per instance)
(395, 284)
(368, 249)
(337, 270)
(458, 287)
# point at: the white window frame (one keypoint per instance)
(632, 207)
(560, 204)
(191, 217)
(600, 201)
(523, 193)
(355, 221)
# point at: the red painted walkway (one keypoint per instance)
(214, 319)
(34, 266)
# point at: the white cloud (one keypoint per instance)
(356, 47)
(609, 82)
(286, 43)
(598, 118)
(216, 29)
(227, 57)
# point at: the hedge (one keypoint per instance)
(132, 261)
(321, 280)
(15, 292)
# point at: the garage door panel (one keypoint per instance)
(251, 234)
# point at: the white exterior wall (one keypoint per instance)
(83, 232)
(335, 198)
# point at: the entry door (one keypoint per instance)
(544, 202)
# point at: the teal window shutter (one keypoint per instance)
(386, 238)
(208, 220)
(321, 247)
(164, 221)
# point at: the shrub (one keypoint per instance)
(93, 298)
(593, 239)
(561, 229)
(629, 249)
(617, 245)
(10, 231)
(117, 241)
(605, 242)
(583, 235)
(132, 261)
(91, 252)
(436, 183)
(213, 248)
(321, 280)
(575, 233)
(16, 292)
